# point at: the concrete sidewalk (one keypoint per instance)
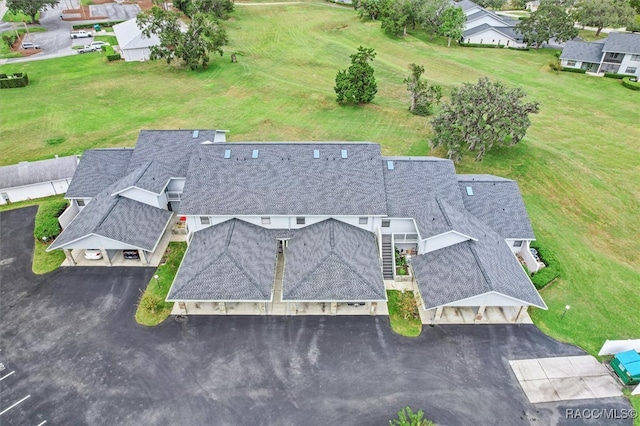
(564, 378)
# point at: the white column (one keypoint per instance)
(480, 313)
(521, 314)
(373, 308)
(143, 257)
(222, 307)
(69, 256)
(437, 315)
(334, 308)
(105, 255)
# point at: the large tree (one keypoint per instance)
(551, 20)
(218, 8)
(452, 26)
(604, 13)
(421, 94)
(480, 116)
(372, 9)
(357, 84)
(30, 7)
(202, 37)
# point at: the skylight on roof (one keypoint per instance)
(254, 154)
(227, 153)
(344, 153)
(196, 133)
(316, 153)
(390, 165)
(469, 190)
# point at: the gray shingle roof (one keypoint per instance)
(472, 268)
(28, 173)
(622, 43)
(497, 202)
(98, 169)
(285, 179)
(234, 260)
(506, 31)
(130, 222)
(426, 189)
(465, 4)
(582, 51)
(333, 261)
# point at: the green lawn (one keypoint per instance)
(410, 327)
(578, 168)
(152, 309)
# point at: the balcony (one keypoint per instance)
(613, 58)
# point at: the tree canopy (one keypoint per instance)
(218, 8)
(551, 20)
(422, 94)
(30, 7)
(604, 13)
(202, 37)
(452, 26)
(480, 116)
(357, 84)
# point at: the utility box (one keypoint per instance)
(627, 367)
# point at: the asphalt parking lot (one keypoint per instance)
(77, 352)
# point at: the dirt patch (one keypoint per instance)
(17, 47)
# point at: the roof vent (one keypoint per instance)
(344, 153)
(316, 153)
(254, 154)
(196, 133)
(227, 153)
(390, 165)
(469, 190)
(206, 143)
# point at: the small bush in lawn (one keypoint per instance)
(408, 306)
(151, 302)
(55, 141)
(552, 271)
(555, 66)
(47, 225)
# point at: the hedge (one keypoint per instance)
(633, 85)
(517, 48)
(102, 24)
(111, 54)
(489, 46)
(47, 225)
(576, 70)
(18, 79)
(617, 76)
(552, 271)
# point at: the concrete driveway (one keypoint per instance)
(78, 354)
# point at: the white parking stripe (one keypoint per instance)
(4, 377)
(7, 409)
(42, 423)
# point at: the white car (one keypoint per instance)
(92, 254)
(98, 44)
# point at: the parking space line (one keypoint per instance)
(4, 377)
(7, 409)
(42, 423)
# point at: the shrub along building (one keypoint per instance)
(307, 228)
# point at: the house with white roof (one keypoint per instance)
(619, 53)
(134, 45)
(487, 27)
(36, 179)
(292, 228)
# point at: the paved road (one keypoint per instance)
(77, 352)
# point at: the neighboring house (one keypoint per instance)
(619, 53)
(486, 27)
(36, 179)
(297, 227)
(532, 6)
(133, 44)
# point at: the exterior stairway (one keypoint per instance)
(387, 257)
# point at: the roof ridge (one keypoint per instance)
(481, 266)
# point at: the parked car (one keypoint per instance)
(29, 45)
(98, 44)
(87, 49)
(81, 34)
(130, 254)
(92, 254)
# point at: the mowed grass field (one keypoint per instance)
(578, 167)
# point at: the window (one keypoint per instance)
(266, 220)
(300, 220)
(631, 70)
(635, 58)
(571, 63)
(80, 203)
(386, 223)
(204, 220)
(363, 220)
(517, 243)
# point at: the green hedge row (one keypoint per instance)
(47, 225)
(488, 46)
(10, 39)
(18, 79)
(90, 26)
(633, 85)
(576, 70)
(617, 76)
(111, 54)
(552, 271)
(517, 48)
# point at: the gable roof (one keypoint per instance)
(498, 203)
(98, 169)
(285, 178)
(481, 266)
(622, 43)
(505, 31)
(582, 51)
(117, 218)
(231, 261)
(466, 5)
(130, 36)
(32, 172)
(332, 261)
